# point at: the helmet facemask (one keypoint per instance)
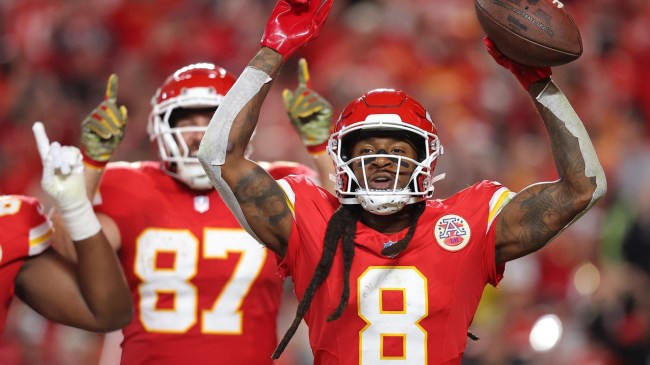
(352, 189)
(196, 88)
(179, 162)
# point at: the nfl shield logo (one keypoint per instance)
(388, 244)
(201, 203)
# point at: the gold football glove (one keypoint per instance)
(103, 129)
(310, 113)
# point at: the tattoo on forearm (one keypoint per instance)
(541, 211)
(270, 63)
(566, 152)
(267, 61)
(260, 194)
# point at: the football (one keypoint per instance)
(536, 33)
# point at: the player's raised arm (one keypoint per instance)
(91, 294)
(539, 212)
(251, 193)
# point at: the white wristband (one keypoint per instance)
(80, 220)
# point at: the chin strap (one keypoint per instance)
(437, 178)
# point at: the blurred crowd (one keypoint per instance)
(585, 299)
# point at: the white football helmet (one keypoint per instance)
(391, 113)
(201, 85)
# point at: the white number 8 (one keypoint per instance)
(396, 323)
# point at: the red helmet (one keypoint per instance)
(198, 84)
(391, 112)
(201, 85)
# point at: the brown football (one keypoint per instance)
(533, 32)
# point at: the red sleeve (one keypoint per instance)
(312, 207)
(494, 271)
(40, 226)
(25, 224)
(491, 192)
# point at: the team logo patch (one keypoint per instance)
(201, 203)
(452, 232)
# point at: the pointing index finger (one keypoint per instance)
(111, 88)
(303, 73)
(42, 142)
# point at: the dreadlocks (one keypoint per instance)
(342, 227)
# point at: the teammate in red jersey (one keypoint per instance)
(203, 289)
(96, 296)
(385, 273)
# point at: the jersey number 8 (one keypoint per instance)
(392, 302)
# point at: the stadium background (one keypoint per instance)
(55, 57)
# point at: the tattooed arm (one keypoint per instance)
(260, 198)
(256, 200)
(541, 211)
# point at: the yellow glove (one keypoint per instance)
(310, 113)
(103, 129)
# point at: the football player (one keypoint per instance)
(203, 288)
(92, 294)
(384, 273)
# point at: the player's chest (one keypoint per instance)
(176, 217)
(442, 240)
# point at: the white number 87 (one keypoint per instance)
(225, 316)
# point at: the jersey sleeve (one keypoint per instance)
(497, 196)
(40, 232)
(311, 208)
(26, 214)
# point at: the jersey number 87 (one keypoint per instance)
(225, 316)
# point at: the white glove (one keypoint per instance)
(63, 180)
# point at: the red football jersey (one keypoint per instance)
(204, 291)
(24, 231)
(414, 308)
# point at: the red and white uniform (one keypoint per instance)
(24, 232)
(204, 291)
(412, 309)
